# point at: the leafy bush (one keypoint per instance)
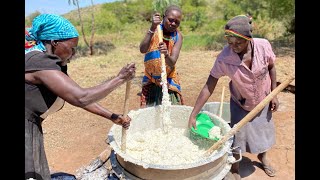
(204, 42)
(268, 28)
(126, 22)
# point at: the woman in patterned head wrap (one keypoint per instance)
(151, 94)
(50, 44)
(249, 63)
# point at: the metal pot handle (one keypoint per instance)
(231, 159)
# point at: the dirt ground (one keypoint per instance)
(74, 137)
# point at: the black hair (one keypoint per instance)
(172, 7)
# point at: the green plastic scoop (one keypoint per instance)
(204, 124)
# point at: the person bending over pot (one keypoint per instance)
(249, 63)
(50, 44)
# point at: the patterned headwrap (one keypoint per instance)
(48, 27)
(239, 26)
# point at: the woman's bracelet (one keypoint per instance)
(114, 116)
(150, 32)
(166, 55)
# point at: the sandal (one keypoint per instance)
(269, 170)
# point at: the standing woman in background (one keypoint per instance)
(151, 94)
(50, 45)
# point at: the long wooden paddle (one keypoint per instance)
(104, 155)
(125, 112)
(249, 116)
(221, 102)
(163, 66)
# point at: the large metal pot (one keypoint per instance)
(215, 166)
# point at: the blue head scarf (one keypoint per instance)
(48, 27)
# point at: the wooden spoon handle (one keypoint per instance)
(125, 113)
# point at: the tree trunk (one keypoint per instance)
(92, 29)
(84, 36)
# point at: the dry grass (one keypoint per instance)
(193, 67)
(89, 71)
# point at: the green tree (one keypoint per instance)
(90, 45)
(280, 10)
(264, 10)
(199, 19)
(161, 5)
(283, 10)
(198, 3)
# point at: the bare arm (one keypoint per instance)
(272, 73)
(145, 43)
(204, 95)
(64, 87)
(172, 59)
(97, 109)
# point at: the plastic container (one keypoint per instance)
(204, 124)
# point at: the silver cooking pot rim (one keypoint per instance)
(226, 148)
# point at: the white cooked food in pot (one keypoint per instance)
(215, 132)
(172, 148)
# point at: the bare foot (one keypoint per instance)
(268, 169)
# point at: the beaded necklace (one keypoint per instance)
(168, 39)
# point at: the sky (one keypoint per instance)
(57, 6)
